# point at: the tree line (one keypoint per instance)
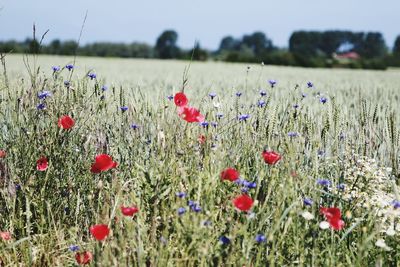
(305, 48)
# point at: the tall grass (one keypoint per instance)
(46, 212)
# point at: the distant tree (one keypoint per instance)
(396, 46)
(54, 47)
(32, 45)
(373, 45)
(258, 43)
(198, 53)
(68, 47)
(228, 43)
(331, 41)
(305, 44)
(166, 45)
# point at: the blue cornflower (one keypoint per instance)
(104, 88)
(244, 189)
(320, 152)
(272, 83)
(214, 124)
(181, 210)
(180, 194)
(69, 67)
(260, 238)
(341, 186)
(191, 203)
(307, 202)
(304, 95)
(196, 208)
(44, 94)
(170, 97)
(92, 75)
(67, 83)
(219, 115)
(17, 187)
(249, 185)
(296, 106)
(55, 68)
(396, 204)
(212, 95)
(224, 240)
(124, 108)
(41, 106)
(324, 182)
(263, 93)
(293, 134)
(134, 126)
(261, 103)
(243, 117)
(238, 94)
(310, 84)
(73, 248)
(342, 136)
(323, 100)
(204, 124)
(239, 181)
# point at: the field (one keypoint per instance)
(328, 197)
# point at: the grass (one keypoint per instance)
(353, 139)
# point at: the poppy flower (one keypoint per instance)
(84, 257)
(99, 231)
(243, 202)
(103, 162)
(66, 122)
(5, 236)
(334, 217)
(230, 174)
(190, 114)
(271, 157)
(3, 154)
(129, 211)
(180, 99)
(42, 164)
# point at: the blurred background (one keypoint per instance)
(312, 33)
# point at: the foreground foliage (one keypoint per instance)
(128, 175)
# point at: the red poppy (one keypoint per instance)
(103, 162)
(243, 202)
(201, 139)
(190, 114)
(230, 174)
(271, 157)
(5, 236)
(180, 99)
(84, 257)
(333, 216)
(42, 164)
(3, 154)
(99, 231)
(66, 122)
(129, 211)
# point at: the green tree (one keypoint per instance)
(373, 46)
(396, 47)
(166, 45)
(258, 43)
(228, 43)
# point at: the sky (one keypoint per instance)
(207, 21)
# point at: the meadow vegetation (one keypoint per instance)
(335, 130)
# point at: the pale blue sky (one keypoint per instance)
(207, 20)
